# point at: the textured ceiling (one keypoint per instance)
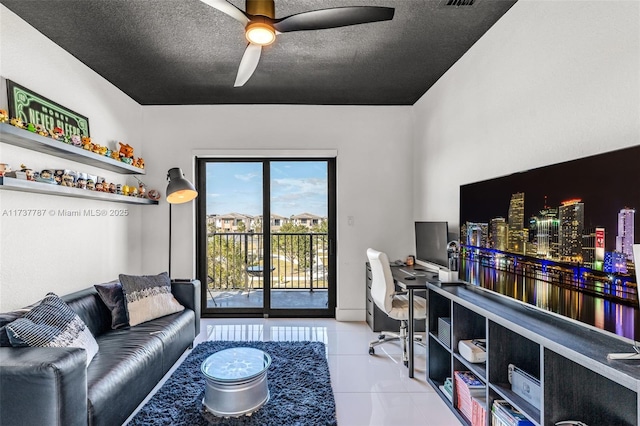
(183, 52)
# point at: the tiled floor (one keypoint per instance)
(369, 390)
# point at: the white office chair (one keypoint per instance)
(392, 303)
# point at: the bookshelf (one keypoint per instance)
(569, 359)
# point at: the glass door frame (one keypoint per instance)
(201, 241)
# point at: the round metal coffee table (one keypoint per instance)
(236, 381)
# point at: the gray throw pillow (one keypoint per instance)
(148, 297)
(52, 324)
(112, 296)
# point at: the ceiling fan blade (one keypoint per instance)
(333, 18)
(248, 64)
(226, 7)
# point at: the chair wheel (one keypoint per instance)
(372, 351)
(381, 337)
(406, 363)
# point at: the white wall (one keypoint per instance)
(373, 168)
(549, 82)
(62, 254)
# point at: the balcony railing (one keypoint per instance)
(298, 261)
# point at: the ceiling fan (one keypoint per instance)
(261, 27)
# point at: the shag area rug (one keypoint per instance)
(298, 381)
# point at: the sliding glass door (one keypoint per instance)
(266, 236)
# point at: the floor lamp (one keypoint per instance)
(179, 191)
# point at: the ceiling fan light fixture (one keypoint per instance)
(260, 33)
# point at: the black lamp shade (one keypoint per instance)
(179, 190)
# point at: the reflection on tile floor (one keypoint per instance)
(280, 299)
(369, 390)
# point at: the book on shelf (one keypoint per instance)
(467, 386)
(479, 411)
(446, 393)
(469, 379)
(504, 414)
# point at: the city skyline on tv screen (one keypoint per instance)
(582, 212)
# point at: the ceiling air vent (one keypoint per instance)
(458, 3)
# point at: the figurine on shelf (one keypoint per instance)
(138, 162)
(115, 155)
(40, 129)
(101, 184)
(28, 173)
(126, 151)
(69, 178)
(4, 116)
(91, 184)
(4, 168)
(76, 140)
(57, 176)
(112, 188)
(81, 182)
(96, 148)
(107, 152)
(141, 188)
(57, 133)
(46, 176)
(17, 122)
(86, 144)
(153, 195)
(31, 127)
(125, 190)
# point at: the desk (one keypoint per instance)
(420, 283)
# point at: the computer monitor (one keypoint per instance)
(431, 244)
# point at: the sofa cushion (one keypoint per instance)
(52, 323)
(122, 374)
(175, 331)
(148, 297)
(112, 295)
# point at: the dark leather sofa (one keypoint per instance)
(52, 386)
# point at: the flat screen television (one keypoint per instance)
(559, 237)
(431, 244)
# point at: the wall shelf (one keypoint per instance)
(25, 139)
(21, 185)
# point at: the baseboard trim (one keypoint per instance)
(350, 315)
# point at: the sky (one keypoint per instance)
(296, 187)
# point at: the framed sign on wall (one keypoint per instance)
(30, 107)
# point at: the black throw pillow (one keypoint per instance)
(112, 295)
